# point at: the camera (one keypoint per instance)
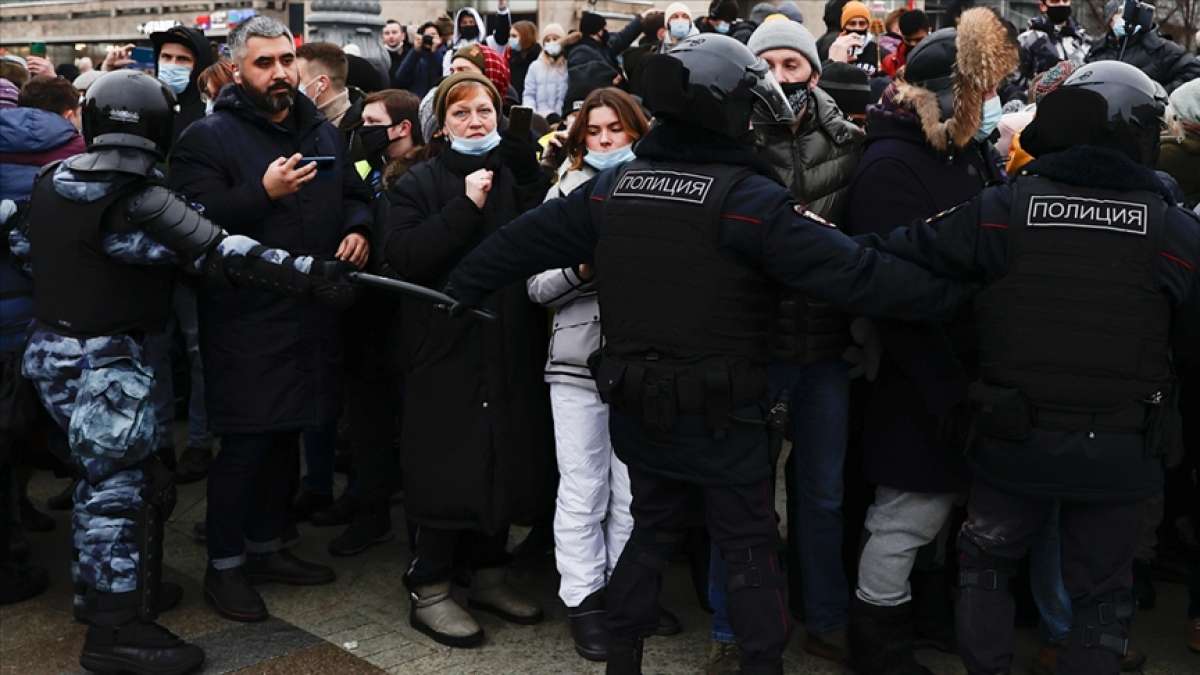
(427, 40)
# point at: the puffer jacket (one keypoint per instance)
(576, 331)
(545, 87)
(816, 162)
(1043, 44)
(1164, 61)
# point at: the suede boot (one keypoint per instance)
(435, 613)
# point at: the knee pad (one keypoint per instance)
(753, 568)
(982, 570)
(653, 548)
(1102, 621)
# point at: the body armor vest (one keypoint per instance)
(686, 327)
(807, 331)
(1078, 326)
(77, 287)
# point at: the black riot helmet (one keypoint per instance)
(714, 82)
(1107, 103)
(129, 109)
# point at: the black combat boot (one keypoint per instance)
(881, 640)
(624, 657)
(587, 627)
(119, 639)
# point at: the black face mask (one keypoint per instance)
(1058, 13)
(862, 32)
(375, 142)
(469, 32)
(797, 94)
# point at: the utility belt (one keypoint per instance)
(1006, 413)
(658, 391)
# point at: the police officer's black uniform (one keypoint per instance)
(1087, 264)
(690, 243)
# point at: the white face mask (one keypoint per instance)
(475, 146)
(553, 48)
(680, 28)
(605, 160)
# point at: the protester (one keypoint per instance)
(85, 80)
(832, 18)
(273, 362)
(593, 43)
(483, 61)
(1136, 40)
(1052, 36)
(468, 30)
(212, 80)
(482, 421)
(653, 32)
(914, 27)
(848, 87)
(1181, 145)
(546, 82)
(323, 71)
(523, 51)
(395, 42)
(856, 45)
(680, 25)
(592, 520)
(182, 54)
(723, 17)
(421, 69)
(924, 154)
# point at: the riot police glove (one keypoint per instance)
(866, 352)
(331, 283)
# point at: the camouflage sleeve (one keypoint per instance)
(18, 244)
(137, 248)
(241, 245)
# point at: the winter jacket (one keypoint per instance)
(582, 49)
(576, 329)
(1181, 159)
(273, 361)
(817, 161)
(191, 107)
(545, 87)
(420, 71)
(477, 442)
(1043, 44)
(519, 63)
(495, 36)
(1164, 61)
(922, 378)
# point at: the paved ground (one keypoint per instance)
(360, 623)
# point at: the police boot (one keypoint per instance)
(1143, 583)
(985, 610)
(491, 593)
(933, 611)
(435, 613)
(587, 627)
(624, 657)
(167, 598)
(881, 640)
(1099, 635)
(20, 582)
(123, 638)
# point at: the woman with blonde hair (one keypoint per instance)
(546, 81)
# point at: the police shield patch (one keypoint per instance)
(1088, 214)
(671, 186)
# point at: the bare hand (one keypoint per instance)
(840, 49)
(585, 272)
(478, 186)
(354, 250)
(38, 66)
(283, 178)
(117, 58)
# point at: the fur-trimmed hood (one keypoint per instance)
(986, 54)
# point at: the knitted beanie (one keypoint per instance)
(855, 10)
(443, 90)
(779, 32)
(848, 86)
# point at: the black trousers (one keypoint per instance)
(1098, 543)
(741, 522)
(248, 486)
(374, 404)
(439, 554)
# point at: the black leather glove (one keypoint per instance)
(461, 305)
(331, 285)
(519, 155)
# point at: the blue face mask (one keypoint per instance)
(176, 77)
(992, 111)
(679, 28)
(607, 160)
(1118, 27)
(722, 27)
(475, 146)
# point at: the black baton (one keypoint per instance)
(405, 288)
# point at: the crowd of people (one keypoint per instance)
(653, 221)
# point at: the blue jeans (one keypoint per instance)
(158, 354)
(819, 410)
(319, 448)
(1046, 581)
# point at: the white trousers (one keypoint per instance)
(592, 521)
(899, 523)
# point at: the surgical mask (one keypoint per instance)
(475, 146)
(680, 28)
(1118, 27)
(313, 96)
(208, 106)
(175, 76)
(722, 27)
(992, 111)
(606, 160)
(553, 48)
(797, 94)
(469, 32)
(374, 140)
(1058, 14)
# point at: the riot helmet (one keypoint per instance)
(129, 109)
(714, 82)
(1107, 103)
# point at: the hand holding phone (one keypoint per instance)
(519, 120)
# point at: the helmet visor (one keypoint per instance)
(770, 103)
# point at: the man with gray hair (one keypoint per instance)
(267, 164)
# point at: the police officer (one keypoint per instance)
(1087, 264)
(690, 243)
(104, 240)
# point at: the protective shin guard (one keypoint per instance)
(1099, 634)
(158, 501)
(758, 608)
(632, 593)
(985, 610)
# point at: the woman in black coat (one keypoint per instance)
(477, 431)
(523, 50)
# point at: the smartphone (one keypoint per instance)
(427, 40)
(143, 59)
(324, 162)
(519, 119)
(37, 49)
